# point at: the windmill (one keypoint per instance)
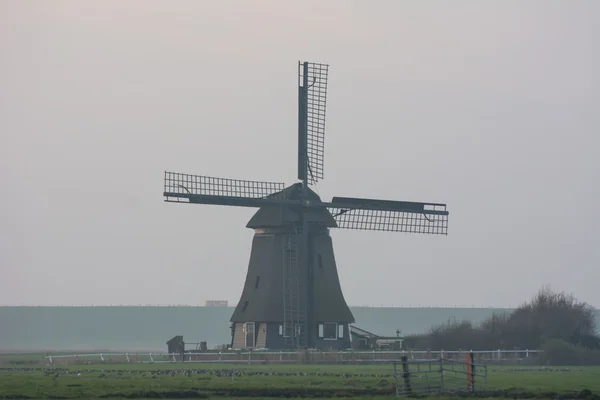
(292, 296)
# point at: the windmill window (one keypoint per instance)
(340, 331)
(281, 330)
(320, 261)
(328, 331)
(245, 306)
(257, 281)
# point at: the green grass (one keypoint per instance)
(145, 380)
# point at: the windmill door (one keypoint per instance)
(250, 334)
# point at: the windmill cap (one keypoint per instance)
(280, 215)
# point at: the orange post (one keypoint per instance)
(468, 372)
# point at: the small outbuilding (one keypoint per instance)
(176, 345)
(363, 339)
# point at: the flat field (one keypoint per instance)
(193, 380)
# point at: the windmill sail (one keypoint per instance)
(312, 100)
(389, 215)
(219, 191)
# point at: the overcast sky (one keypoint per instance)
(491, 107)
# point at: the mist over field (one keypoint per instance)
(148, 328)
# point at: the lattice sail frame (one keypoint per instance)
(390, 221)
(315, 76)
(186, 184)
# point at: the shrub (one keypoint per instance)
(547, 316)
(561, 352)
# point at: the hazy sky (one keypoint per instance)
(492, 107)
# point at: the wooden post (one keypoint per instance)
(406, 375)
(473, 372)
(470, 372)
(485, 377)
(396, 378)
(442, 374)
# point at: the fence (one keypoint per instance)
(282, 357)
(446, 376)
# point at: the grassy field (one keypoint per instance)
(178, 380)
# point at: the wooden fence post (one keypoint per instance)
(468, 372)
(396, 378)
(471, 372)
(442, 375)
(406, 375)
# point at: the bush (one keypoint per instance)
(547, 316)
(561, 352)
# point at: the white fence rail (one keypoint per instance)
(260, 356)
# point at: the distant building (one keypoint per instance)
(176, 346)
(215, 303)
(363, 339)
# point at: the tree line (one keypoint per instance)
(555, 322)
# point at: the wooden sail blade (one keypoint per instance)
(220, 191)
(389, 215)
(312, 99)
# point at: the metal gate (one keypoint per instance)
(439, 376)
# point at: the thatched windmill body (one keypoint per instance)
(292, 296)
